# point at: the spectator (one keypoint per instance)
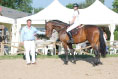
(27, 39)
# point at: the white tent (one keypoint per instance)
(54, 11)
(98, 13)
(8, 22)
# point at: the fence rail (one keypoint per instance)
(9, 44)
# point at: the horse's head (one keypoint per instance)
(55, 24)
(49, 28)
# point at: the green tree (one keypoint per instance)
(69, 6)
(89, 2)
(115, 6)
(36, 10)
(21, 5)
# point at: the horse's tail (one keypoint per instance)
(102, 44)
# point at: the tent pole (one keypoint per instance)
(112, 29)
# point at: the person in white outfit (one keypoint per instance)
(27, 39)
(74, 23)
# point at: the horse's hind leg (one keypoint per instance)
(95, 46)
(97, 57)
(72, 52)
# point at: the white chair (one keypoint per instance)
(46, 46)
(50, 49)
(114, 49)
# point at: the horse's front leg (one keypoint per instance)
(74, 58)
(66, 61)
(66, 52)
(72, 52)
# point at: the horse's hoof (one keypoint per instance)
(100, 63)
(97, 63)
(74, 62)
(66, 62)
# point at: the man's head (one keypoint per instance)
(75, 6)
(29, 22)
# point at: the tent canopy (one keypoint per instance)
(4, 19)
(54, 11)
(98, 13)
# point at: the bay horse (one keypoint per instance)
(90, 33)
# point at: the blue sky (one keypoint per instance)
(45, 3)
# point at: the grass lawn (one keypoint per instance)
(48, 56)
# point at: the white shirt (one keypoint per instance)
(76, 13)
(76, 23)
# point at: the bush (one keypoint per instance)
(116, 35)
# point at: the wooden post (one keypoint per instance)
(2, 43)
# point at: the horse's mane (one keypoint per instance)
(59, 22)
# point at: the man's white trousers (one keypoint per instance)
(29, 50)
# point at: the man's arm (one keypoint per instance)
(22, 35)
(39, 32)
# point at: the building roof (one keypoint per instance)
(11, 13)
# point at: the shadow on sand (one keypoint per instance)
(88, 58)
